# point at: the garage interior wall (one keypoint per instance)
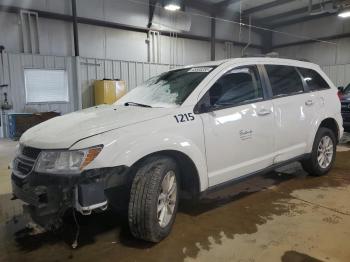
(134, 73)
(14, 65)
(102, 48)
(333, 57)
(56, 37)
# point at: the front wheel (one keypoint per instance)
(323, 153)
(154, 199)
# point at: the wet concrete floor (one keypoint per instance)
(282, 216)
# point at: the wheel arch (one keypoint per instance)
(331, 124)
(327, 122)
(190, 182)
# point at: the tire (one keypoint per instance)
(312, 165)
(147, 194)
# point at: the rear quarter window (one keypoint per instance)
(284, 80)
(313, 79)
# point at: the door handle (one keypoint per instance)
(264, 112)
(309, 102)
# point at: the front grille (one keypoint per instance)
(24, 168)
(30, 152)
(24, 163)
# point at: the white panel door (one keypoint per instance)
(237, 126)
(239, 141)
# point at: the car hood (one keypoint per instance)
(63, 131)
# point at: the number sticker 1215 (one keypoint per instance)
(180, 118)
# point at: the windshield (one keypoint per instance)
(166, 90)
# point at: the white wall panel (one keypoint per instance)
(220, 51)
(9, 27)
(339, 74)
(232, 31)
(196, 51)
(335, 53)
(311, 29)
(125, 45)
(319, 53)
(56, 37)
(127, 12)
(14, 70)
(58, 6)
(91, 9)
(200, 23)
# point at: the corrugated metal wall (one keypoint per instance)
(14, 65)
(134, 73)
(339, 74)
(90, 69)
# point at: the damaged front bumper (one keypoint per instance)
(47, 197)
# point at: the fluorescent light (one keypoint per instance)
(172, 7)
(344, 14)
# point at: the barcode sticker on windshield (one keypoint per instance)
(200, 70)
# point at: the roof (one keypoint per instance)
(273, 60)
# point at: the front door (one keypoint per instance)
(237, 128)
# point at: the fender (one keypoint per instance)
(126, 146)
(316, 125)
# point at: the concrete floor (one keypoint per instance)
(282, 216)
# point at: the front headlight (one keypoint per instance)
(66, 161)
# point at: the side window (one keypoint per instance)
(239, 85)
(313, 79)
(284, 80)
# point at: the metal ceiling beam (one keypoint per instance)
(302, 19)
(266, 6)
(295, 12)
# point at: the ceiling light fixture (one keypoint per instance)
(345, 13)
(172, 5)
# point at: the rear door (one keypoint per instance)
(237, 125)
(294, 111)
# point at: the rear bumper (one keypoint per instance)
(48, 197)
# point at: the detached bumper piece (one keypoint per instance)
(90, 197)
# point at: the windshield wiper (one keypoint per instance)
(136, 104)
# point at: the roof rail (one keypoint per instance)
(275, 55)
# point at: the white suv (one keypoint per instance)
(181, 133)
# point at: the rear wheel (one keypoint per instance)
(154, 199)
(323, 153)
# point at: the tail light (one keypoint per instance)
(340, 94)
